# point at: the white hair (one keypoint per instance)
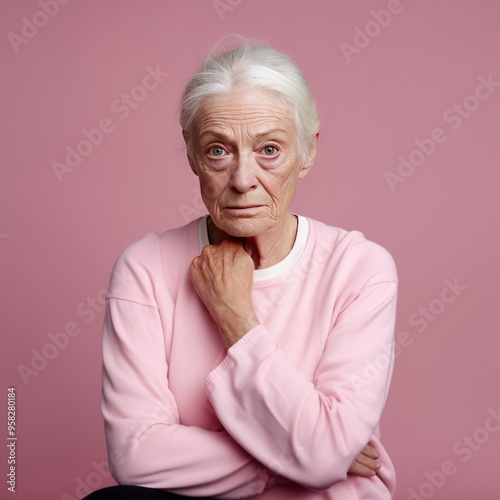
(252, 65)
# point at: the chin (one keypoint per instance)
(243, 227)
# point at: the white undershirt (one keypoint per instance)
(279, 268)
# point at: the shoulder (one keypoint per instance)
(140, 264)
(361, 259)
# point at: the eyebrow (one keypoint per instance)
(259, 135)
(271, 132)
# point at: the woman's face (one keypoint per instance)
(246, 155)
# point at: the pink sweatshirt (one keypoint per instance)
(280, 415)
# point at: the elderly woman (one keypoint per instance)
(249, 352)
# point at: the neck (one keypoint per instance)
(266, 249)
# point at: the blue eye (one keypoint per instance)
(217, 151)
(270, 150)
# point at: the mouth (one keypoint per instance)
(244, 209)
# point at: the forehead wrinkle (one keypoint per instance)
(242, 111)
(228, 132)
(237, 116)
(227, 125)
(217, 104)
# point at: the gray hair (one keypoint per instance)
(252, 65)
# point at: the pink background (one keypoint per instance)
(60, 237)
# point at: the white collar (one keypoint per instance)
(277, 269)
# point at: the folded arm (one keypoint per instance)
(147, 445)
(307, 431)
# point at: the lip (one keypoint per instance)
(244, 209)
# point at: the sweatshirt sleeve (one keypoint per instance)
(310, 431)
(147, 445)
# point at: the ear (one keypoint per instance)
(304, 169)
(189, 157)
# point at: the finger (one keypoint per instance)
(370, 452)
(360, 470)
(195, 263)
(368, 462)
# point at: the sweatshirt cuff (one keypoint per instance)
(259, 335)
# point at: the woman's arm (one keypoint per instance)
(147, 445)
(308, 432)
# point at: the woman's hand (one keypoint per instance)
(365, 463)
(223, 278)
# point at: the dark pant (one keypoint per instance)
(135, 493)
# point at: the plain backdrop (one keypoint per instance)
(409, 98)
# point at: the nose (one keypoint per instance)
(243, 175)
